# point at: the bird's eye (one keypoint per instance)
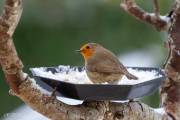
(87, 47)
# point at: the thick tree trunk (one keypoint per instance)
(170, 92)
(26, 89)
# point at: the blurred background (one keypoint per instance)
(50, 31)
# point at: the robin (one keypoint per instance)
(102, 65)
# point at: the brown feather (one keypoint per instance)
(106, 64)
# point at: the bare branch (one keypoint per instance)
(10, 17)
(133, 9)
(9, 60)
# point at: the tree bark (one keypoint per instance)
(170, 92)
(26, 89)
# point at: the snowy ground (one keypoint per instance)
(137, 58)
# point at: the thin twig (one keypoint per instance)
(156, 8)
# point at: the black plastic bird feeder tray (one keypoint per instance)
(96, 91)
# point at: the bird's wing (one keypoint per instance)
(106, 64)
(104, 68)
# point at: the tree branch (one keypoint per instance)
(11, 64)
(133, 9)
(26, 89)
(55, 109)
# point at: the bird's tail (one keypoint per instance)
(130, 76)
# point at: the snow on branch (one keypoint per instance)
(159, 22)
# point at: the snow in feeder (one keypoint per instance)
(72, 82)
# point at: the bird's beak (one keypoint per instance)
(78, 50)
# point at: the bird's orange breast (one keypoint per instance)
(87, 54)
